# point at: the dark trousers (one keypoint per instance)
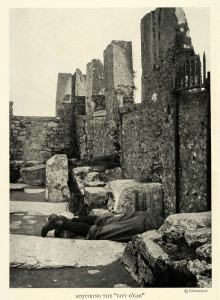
(119, 228)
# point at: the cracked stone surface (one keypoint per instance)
(55, 253)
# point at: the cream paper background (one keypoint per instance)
(156, 293)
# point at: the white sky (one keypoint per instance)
(45, 42)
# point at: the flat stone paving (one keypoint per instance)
(51, 262)
(36, 252)
(29, 250)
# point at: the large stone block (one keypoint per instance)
(58, 253)
(57, 189)
(153, 260)
(96, 197)
(34, 175)
(129, 195)
(187, 221)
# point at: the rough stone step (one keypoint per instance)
(36, 252)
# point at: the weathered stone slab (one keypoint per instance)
(96, 197)
(186, 221)
(34, 175)
(36, 252)
(124, 195)
(205, 252)
(147, 247)
(40, 208)
(198, 237)
(57, 189)
(144, 247)
(163, 258)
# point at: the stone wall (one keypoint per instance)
(37, 138)
(193, 126)
(148, 130)
(107, 89)
(98, 117)
(165, 43)
(148, 149)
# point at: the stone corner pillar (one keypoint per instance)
(79, 92)
(57, 189)
(64, 92)
(165, 43)
(118, 75)
(94, 85)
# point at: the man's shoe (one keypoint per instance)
(51, 216)
(50, 225)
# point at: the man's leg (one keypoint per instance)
(55, 222)
(125, 227)
(78, 228)
(90, 220)
(118, 231)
